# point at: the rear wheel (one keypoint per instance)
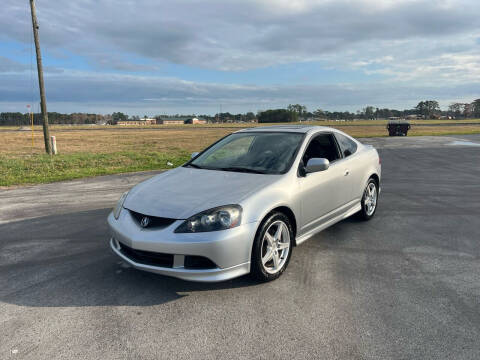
(369, 200)
(272, 247)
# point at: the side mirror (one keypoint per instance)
(317, 164)
(194, 155)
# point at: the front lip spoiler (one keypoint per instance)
(209, 275)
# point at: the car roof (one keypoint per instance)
(287, 128)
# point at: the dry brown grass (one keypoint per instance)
(171, 140)
(444, 130)
(243, 125)
(111, 150)
(111, 141)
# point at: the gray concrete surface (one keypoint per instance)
(405, 285)
(27, 202)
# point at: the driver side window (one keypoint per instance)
(322, 146)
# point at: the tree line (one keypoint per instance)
(427, 109)
(19, 119)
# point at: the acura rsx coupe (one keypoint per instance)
(243, 204)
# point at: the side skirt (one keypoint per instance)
(328, 223)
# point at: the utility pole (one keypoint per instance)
(43, 102)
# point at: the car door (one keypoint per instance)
(323, 192)
(351, 165)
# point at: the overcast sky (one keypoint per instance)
(195, 56)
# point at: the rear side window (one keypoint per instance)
(347, 145)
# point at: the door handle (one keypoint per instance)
(347, 172)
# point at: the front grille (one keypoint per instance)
(155, 222)
(147, 257)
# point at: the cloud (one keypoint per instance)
(11, 66)
(429, 47)
(117, 61)
(8, 65)
(239, 35)
(84, 91)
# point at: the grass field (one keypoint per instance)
(243, 125)
(91, 151)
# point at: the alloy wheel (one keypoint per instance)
(275, 247)
(370, 198)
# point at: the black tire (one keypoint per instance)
(363, 213)
(257, 269)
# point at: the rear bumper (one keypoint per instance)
(229, 250)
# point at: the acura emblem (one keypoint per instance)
(145, 221)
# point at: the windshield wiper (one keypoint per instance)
(194, 166)
(242, 169)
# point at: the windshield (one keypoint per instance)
(255, 152)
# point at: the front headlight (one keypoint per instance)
(219, 218)
(118, 208)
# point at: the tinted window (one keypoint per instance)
(347, 145)
(321, 146)
(262, 152)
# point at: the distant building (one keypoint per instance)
(413, 117)
(144, 121)
(171, 121)
(195, 121)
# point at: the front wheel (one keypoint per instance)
(272, 248)
(369, 200)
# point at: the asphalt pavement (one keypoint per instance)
(405, 285)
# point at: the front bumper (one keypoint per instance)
(230, 250)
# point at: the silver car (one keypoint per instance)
(243, 204)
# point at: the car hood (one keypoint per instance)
(183, 192)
